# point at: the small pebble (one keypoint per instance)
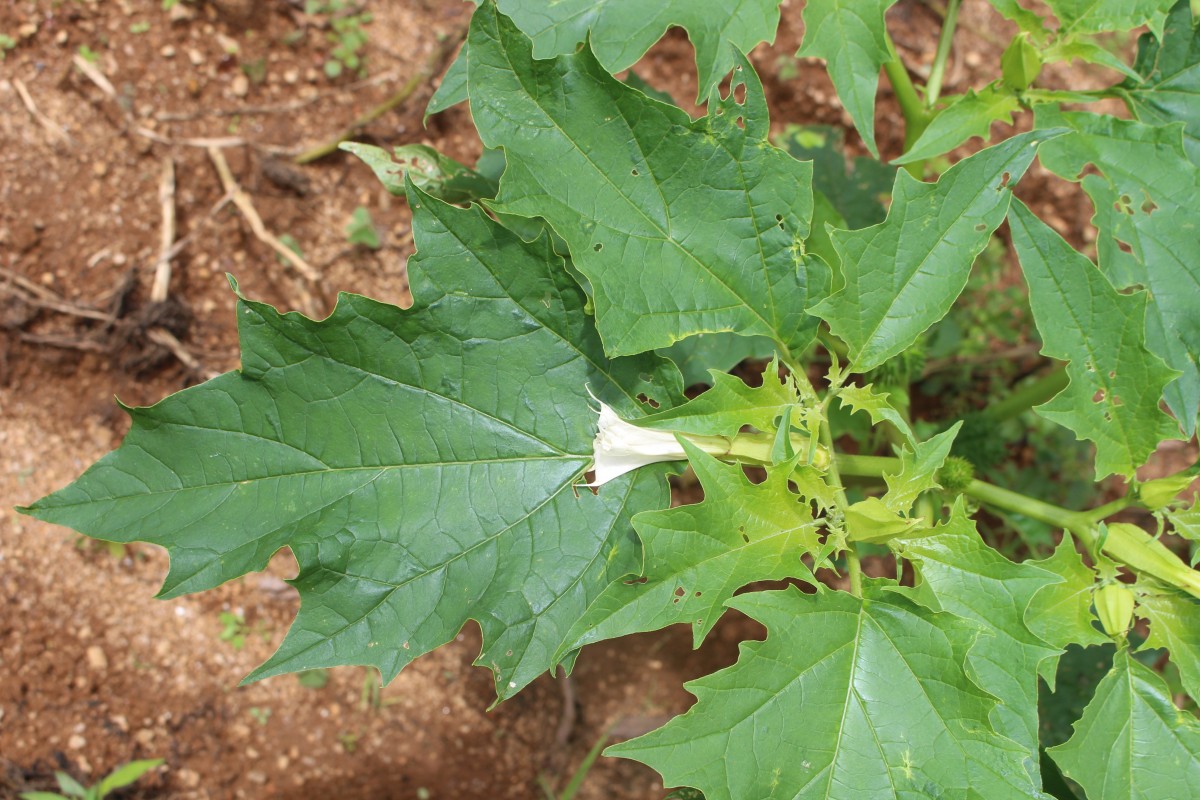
(96, 659)
(76, 742)
(168, 51)
(195, 56)
(240, 86)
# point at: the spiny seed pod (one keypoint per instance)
(1114, 606)
(956, 474)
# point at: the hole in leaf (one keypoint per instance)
(634, 172)
(697, 594)
(679, 591)
(980, 228)
(725, 88)
(1005, 178)
(1098, 397)
(741, 123)
(739, 94)
(1124, 247)
(1112, 374)
(598, 247)
(1149, 207)
(650, 401)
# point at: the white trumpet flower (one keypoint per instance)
(621, 447)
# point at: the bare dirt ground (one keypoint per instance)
(94, 671)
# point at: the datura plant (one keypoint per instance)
(500, 451)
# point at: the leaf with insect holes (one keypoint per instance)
(730, 404)
(1115, 382)
(960, 574)
(852, 38)
(1094, 16)
(697, 556)
(680, 226)
(1168, 87)
(621, 31)
(1061, 613)
(903, 274)
(421, 465)
(919, 464)
(968, 115)
(847, 698)
(1144, 190)
(1132, 743)
(433, 173)
(1175, 624)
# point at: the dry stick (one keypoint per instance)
(432, 67)
(244, 204)
(63, 342)
(163, 337)
(54, 130)
(44, 298)
(166, 200)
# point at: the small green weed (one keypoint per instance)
(361, 230)
(235, 630)
(122, 776)
(347, 35)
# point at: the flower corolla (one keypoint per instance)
(621, 447)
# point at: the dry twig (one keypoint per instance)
(51, 127)
(242, 200)
(166, 200)
(41, 297)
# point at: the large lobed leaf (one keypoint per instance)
(1116, 382)
(420, 464)
(621, 31)
(1132, 743)
(960, 574)
(902, 275)
(681, 226)
(846, 698)
(1144, 190)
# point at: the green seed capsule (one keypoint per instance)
(1114, 606)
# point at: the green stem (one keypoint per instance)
(916, 117)
(1030, 394)
(937, 73)
(854, 566)
(854, 570)
(1079, 523)
(1105, 511)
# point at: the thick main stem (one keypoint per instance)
(916, 118)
